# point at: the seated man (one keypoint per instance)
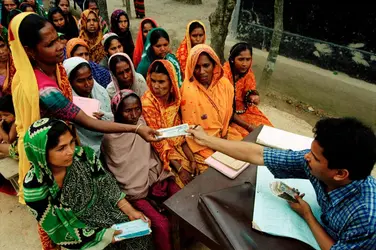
(338, 165)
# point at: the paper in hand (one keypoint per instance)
(283, 191)
(180, 130)
(132, 229)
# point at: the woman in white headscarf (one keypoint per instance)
(124, 76)
(84, 85)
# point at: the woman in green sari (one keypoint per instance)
(73, 198)
(157, 47)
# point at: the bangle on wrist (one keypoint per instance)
(139, 125)
(123, 205)
(180, 169)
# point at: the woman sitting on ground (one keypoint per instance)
(91, 33)
(7, 69)
(78, 47)
(41, 88)
(58, 19)
(38, 7)
(195, 34)
(137, 168)
(8, 133)
(207, 97)
(161, 109)
(112, 45)
(7, 6)
(120, 25)
(25, 7)
(146, 25)
(83, 84)
(93, 6)
(69, 18)
(157, 47)
(71, 195)
(124, 76)
(238, 70)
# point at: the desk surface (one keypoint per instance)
(184, 204)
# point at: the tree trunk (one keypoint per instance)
(219, 21)
(102, 5)
(274, 47)
(193, 2)
(127, 5)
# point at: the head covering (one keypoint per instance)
(73, 43)
(185, 46)
(70, 29)
(126, 36)
(25, 92)
(148, 57)
(140, 42)
(95, 46)
(4, 14)
(138, 85)
(107, 36)
(5, 85)
(43, 196)
(6, 104)
(119, 97)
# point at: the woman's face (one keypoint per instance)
(161, 48)
(203, 71)
(131, 110)
(123, 23)
(145, 29)
(94, 7)
(29, 9)
(115, 47)
(161, 84)
(82, 52)
(64, 6)
(31, 2)
(49, 50)
(7, 117)
(124, 74)
(62, 154)
(197, 36)
(243, 61)
(9, 5)
(92, 25)
(84, 82)
(58, 20)
(4, 52)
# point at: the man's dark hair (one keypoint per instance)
(347, 144)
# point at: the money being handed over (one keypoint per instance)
(283, 191)
(180, 130)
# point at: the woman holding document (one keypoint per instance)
(161, 109)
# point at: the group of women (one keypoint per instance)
(82, 173)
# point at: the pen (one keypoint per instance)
(195, 127)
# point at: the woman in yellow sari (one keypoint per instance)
(207, 97)
(161, 104)
(91, 33)
(195, 34)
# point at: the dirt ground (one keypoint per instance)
(18, 227)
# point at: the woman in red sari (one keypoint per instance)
(146, 25)
(238, 70)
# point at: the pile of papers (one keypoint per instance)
(226, 164)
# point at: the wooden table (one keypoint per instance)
(183, 206)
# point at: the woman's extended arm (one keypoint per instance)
(239, 121)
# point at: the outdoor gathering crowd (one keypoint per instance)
(82, 173)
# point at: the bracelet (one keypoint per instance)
(180, 169)
(122, 205)
(139, 125)
(249, 126)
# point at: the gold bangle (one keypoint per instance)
(180, 169)
(123, 205)
(139, 125)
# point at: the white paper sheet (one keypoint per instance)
(276, 138)
(173, 131)
(273, 215)
(88, 105)
(132, 229)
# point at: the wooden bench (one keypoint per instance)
(9, 169)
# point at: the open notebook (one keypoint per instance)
(88, 105)
(276, 138)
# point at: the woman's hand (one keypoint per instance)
(117, 232)
(194, 167)
(250, 128)
(255, 99)
(147, 133)
(185, 176)
(198, 134)
(98, 115)
(135, 215)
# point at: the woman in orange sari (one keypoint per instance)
(195, 34)
(207, 97)
(238, 70)
(161, 104)
(146, 25)
(91, 33)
